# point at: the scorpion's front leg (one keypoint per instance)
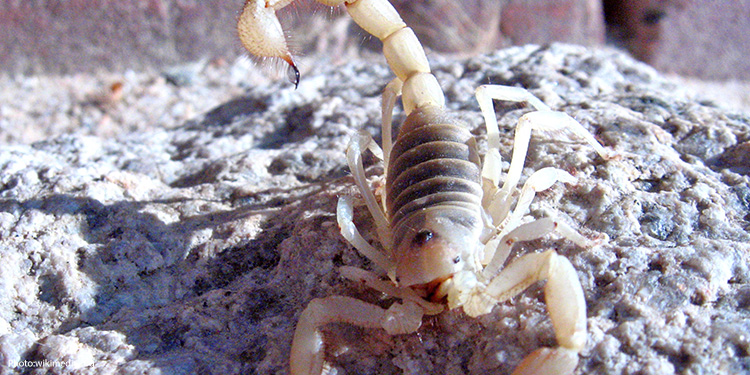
(307, 354)
(565, 302)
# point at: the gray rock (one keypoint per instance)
(194, 249)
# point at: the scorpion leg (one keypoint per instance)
(307, 353)
(542, 119)
(506, 224)
(485, 94)
(344, 215)
(565, 303)
(495, 258)
(540, 180)
(391, 92)
(371, 280)
(354, 158)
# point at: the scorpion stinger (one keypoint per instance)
(445, 224)
(261, 34)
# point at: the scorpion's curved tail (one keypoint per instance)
(262, 35)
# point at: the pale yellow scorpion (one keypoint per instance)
(444, 225)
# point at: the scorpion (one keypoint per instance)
(445, 225)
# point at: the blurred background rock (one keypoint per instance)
(688, 37)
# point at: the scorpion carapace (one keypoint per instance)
(444, 223)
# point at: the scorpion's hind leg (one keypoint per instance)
(485, 94)
(390, 94)
(543, 119)
(357, 147)
(565, 303)
(543, 179)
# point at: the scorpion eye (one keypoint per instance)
(422, 237)
(456, 259)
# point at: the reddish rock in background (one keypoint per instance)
(88, 35)
(707, 39)
(543, 21)
(636, 25)
(474, 26)
(688, 37)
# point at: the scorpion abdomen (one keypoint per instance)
(434, 166)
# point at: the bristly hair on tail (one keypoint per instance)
(277, 48)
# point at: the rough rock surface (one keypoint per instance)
(194, 249)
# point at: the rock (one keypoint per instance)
(55, 37)
(193, 249)
(690, 38)
(472, 26)
(95, 35)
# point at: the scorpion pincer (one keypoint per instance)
(444, 223)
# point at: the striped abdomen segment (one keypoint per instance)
(432, 165)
